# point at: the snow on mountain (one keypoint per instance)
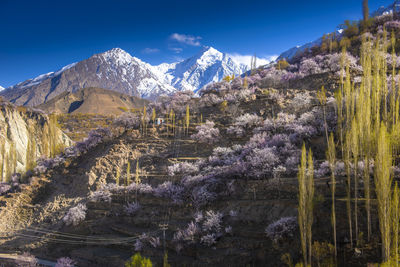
(292, 52)
(387, 10)
(119, 71)
(289, 54)
(207, 66)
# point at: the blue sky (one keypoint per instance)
(41, 36)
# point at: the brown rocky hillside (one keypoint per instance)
(92, 100)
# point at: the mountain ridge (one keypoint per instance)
(117, 70)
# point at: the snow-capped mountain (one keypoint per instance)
(207, 66)
(117, 70)
(1, 88)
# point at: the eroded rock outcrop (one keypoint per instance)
(26, 135)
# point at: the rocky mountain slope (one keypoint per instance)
(117, 70)
(215, 206)
(92, 100)
(19, 127)
(297, 50)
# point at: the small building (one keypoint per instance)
(160, 121)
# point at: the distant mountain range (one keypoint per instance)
(117, 70)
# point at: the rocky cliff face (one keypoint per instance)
(21, 130)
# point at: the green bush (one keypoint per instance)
(138, 261)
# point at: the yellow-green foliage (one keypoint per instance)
(287, 259)
(369, 129)
(245, 83)
(124, 109)
(223, 106)
(229, 78)
(138, 261)
(128, 174)
(282, 64)
(165, 260)
(324, 254)
(31, 150)
(55, 146)
(383, 182)
(137, 173)
(331, 156)
(187, 119)
(305, 208)
(2, 154)
(153, 116)
(395, 218)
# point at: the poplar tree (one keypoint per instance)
(383, 181)
(305, 208)
(245, 83)
(321, 95)
(355, 151)
(365, 12)
(128, 174)
(395, 218)
(137, 177)
(187, 119)
(2, 154)
(144, 124)
(331, 156)
(153, 117)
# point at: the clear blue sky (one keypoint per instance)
(39, 36)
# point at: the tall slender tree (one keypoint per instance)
(331, 155)
(365, 11)
(305, 208)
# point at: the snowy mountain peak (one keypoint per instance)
(117, 55)
(1, 88)
(207, 66)
(117, 70)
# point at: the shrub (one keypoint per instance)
(201, 196)
(140, 188)
(4, 188)
(100, 196)
(242, 123)
(170, 191)
(128, 120)
(138, 261)
(206, 133)
(65, 262)
(183, 168)
(208, 239)
(75, 215)
(131, 208)
(188, 234)
(309, 66)
(212, 221)
(283, 228)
